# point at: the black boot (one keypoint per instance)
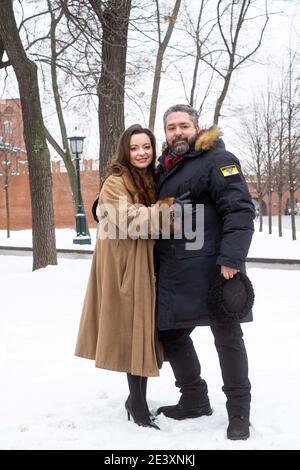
(144, 381)
(136, 404)
(234, 367)
(180, 412)
(238, 428)
(194, 401)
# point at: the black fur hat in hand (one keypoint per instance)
(231, 300)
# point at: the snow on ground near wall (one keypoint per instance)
(272, 246)
(263, 245)
(53, 400)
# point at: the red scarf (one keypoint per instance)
(171, 161)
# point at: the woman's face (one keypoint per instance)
(141, 151)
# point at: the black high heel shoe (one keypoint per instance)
(152, 414)
(144, 421)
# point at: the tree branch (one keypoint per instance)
(54, 143)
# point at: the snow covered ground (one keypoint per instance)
(272, 246)
(50, 399)
(263, 245)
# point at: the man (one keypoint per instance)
(196, 163)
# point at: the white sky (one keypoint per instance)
(281, 33)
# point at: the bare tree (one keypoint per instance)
(279, 166)
(273, 137)
(293, 134)
(114, 18)
(268, 118)
(162, 46)
(57, 48)
(63, 151)
(92, 24)
(6, 167)
(43, 228)
(253, 138)
(50, 50)
(200, 32)
(232, 16)
(219, 43)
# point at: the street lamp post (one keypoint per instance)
(82, 237)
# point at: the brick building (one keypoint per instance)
(285, 200)
(12, 146)
(13, 164)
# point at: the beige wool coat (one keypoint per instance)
(117, 327)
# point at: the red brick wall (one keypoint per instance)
(19, 195)
(274, 199)
(11, 133)
(10, 111)
(19, 198)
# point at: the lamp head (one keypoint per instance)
(76, 142)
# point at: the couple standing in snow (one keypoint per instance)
(148, 288)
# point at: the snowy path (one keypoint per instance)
(52, 400)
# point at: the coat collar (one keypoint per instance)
(208, 139)
(140, 185)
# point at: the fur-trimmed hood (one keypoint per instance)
(208, 138)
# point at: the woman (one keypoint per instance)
(117, 326)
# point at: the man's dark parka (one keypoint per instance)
(212, 176)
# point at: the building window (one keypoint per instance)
(7, 127)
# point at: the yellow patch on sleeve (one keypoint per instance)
(229, 170)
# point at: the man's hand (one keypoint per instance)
(228, 273)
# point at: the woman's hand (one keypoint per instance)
(169, 201)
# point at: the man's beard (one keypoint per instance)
(182, 145)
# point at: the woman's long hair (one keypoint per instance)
(122, 157)
(121, 160)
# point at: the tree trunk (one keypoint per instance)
(293, 220)
(236, 52)
(6, 189)
(198, 55)
(114, 18)
(222, 97)
(67, 158)
(155, 90)
(260, 202)
(64, 152)
(43, 229)
(259, 193)
(194, 82)
(159, 60)
(280, 214)
(270, 211)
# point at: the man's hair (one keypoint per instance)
(184, 108)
